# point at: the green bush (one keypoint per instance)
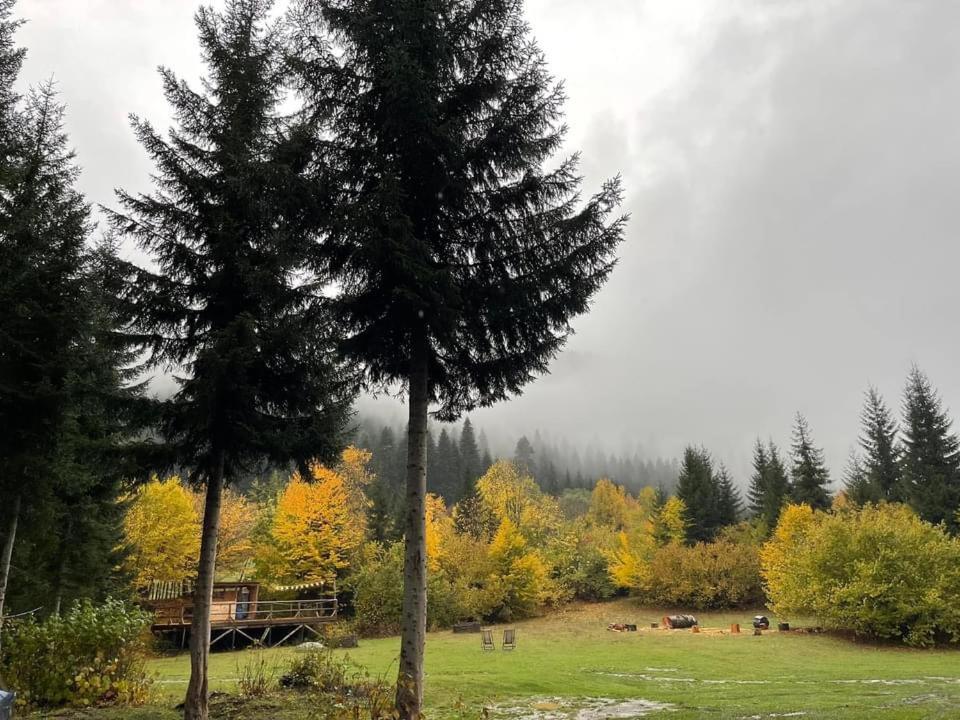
(378, 595)
(880, 571)
(705, 576)
(580, 568)
(350, 690)
(92, 654)
(318, 669)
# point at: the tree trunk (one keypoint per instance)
(7, 559)
(195, 705)
(414, 621)
(62, 567)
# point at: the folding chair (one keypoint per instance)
(509, 639)
(486, 639)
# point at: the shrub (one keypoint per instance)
(721, 574)
(89, 655)
(353, 692)
(579, 563)
(318, 669)
(256, 675)
(378, 592)
(880, 571)
(378, 595)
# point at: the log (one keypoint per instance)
(467, 627)
(675, 622)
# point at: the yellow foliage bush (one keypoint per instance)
(879, 570)
(720, 574)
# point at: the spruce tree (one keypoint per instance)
(769, 484)
(230, 303)
(697, 487)
(469, 459)
(809, 475)
(96, 451)
(523, 455)
(757, 493)
(486, 462)
(881, 462)
(461, 258)
(778, 484)
(11, 60)
(729, 503)
(44, 312)
(447, 482)
(931, 453)
(857, 485)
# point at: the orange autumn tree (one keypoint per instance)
(314, 530)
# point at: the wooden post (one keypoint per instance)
(735, 628)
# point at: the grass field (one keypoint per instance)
(569, 661)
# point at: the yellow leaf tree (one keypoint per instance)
(439, 528)
(238, 516)
(313, 533)
(609, 504)
(508, 494)
(787, 573)
(521, 574)
(670, 525)
(161, 533)
(630, 561)
(354, 468)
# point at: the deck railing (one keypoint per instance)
(262, 611)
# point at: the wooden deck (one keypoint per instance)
(260, 622)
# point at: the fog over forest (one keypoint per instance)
(790, 173)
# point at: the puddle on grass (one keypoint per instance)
(648, 676)
(565, 708)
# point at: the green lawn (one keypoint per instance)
(566, 659)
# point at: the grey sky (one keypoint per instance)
(791, 169)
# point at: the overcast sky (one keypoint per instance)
(792, 175)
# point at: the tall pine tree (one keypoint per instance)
(523, 455)
(44, 313)
(857, 486)
(697, 487)
(469, 459)
(757, 492)
(810, 477)
(881, 461)
(461, 258)
(769, 484)
(230, 304)
(931, 453)
(11, 60)
(729, 503)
